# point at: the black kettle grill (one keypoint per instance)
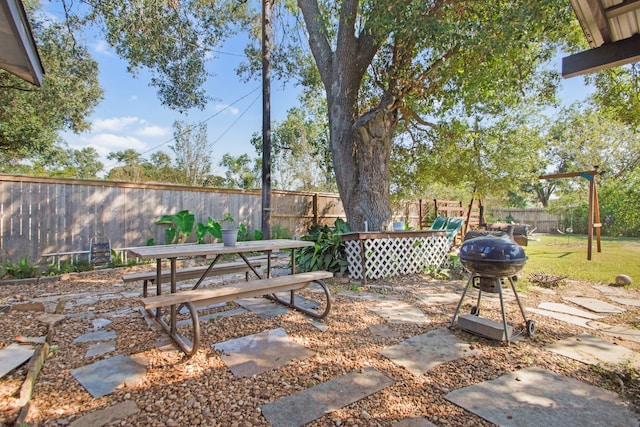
(492, 258)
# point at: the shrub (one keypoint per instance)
(328, 251)
(21, 270)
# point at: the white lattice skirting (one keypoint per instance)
(386, 257)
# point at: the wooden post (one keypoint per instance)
(594, 205)
(590, 226)
(315, 208)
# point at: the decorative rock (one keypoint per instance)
(623, 279)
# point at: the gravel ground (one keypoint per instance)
(202, 391)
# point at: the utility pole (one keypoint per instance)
(266, 119)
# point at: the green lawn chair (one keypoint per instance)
(440, 223)
(453, 228)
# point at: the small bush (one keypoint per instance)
(328, 251)
(20, 270)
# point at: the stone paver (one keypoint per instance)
(100, 335)
(632, 302)
(382, 331)
(420, 353)
(535, 397)
(395, 311)
(623, 333)
(264, 308)
(305, 406)
(105, 376)
(100, 349)
(595, 305)
(100, 323)
(13, 356)
(255, 354)
(108, 415)
(574, 320)
(593, 350)
(613, 291)
(438, 299)
(414, 422)
(567, 309)
(363, 295)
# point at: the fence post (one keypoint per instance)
(315, 208)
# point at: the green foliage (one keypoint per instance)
(279, 232)
(212, 227)
(32, 117)
(20, 270)
(241, 171)
(192, 152)
(180, 226)
(328, 251)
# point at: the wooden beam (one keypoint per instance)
(606, 56)
(568, 174)
(622, 8)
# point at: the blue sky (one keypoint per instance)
(130, 115)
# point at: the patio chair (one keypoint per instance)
(440, 223)
(99, 251)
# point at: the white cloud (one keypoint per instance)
(114, 124)
(111, 142)
(230, 109)
(102, 47)
(153, 131)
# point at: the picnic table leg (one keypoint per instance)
(244, 258)
(206, 273)
(309, 312)
(174, 289)
(158, 284)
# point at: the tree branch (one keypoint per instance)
(318, 41)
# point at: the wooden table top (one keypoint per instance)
(191, 250)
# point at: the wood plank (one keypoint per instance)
(237, 291)
(193, 272)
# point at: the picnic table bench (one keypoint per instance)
(194, 272)
(202, 297)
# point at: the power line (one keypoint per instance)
(236, 120)
(189, 128)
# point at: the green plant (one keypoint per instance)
(20, 270)
(227, 222)
(68, 267)
(328, 251)
(180, 226)
(212, 227)
(279, 232)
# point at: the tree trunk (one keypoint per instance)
(361, 153)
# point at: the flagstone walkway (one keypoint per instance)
(515, 398)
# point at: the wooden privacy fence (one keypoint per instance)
(51, 215)
(414, 214)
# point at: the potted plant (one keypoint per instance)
(229, 230)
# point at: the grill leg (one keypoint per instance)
(513, 288)
(455, 313)
(504, 315)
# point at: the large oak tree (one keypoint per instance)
(387, 67)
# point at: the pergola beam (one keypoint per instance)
(606, 56)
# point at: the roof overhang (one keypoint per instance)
(18, 52)
(611, 28)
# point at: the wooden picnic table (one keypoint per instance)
(216, 251)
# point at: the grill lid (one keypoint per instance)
(492, 249)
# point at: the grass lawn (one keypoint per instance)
(566, 255)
